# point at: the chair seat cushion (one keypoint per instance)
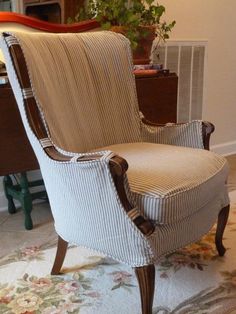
(169, 183)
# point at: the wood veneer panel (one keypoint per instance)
(157, 96)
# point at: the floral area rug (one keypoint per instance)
(193, 280)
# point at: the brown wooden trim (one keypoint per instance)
(207, 129)
(222, 222)
(146, 280)
(8, 17)
(118, 165)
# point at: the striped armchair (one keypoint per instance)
(116, 183)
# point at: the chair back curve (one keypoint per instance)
(86, 99)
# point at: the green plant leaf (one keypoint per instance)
(128, 14)
(106, 25)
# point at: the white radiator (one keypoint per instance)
(188, 60)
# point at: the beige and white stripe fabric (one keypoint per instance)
(186, 134)
(71, 69)
(84, 86)
(86, 99)
(168, 183)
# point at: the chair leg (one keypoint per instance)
(146, 280)
(60, 256)
(221, 224)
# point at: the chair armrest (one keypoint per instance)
(195, 134)
(207, 129)
(90, 210)
(118, 167)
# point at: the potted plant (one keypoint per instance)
(138, 20)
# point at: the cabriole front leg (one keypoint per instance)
(221, 224)
(146, 279)
(60, 256)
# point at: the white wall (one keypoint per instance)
(213, 20)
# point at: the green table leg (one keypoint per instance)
(8, 184)
(20, 191)
(26, 200)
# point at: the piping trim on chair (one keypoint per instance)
(46, 142)
(27, 93)
(11, 40)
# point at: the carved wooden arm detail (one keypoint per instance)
(207, 129)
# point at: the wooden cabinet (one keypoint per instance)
(16, 154)
(157, 96)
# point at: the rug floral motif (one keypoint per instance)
(193, 280)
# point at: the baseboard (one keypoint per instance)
(225, 149)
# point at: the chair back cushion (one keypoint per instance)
(84, 86)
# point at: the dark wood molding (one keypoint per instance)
(207, 129)
(8, 17)
(118, 167)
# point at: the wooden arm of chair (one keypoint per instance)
(207, 129)
(118, 167)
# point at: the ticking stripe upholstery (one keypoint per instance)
(168, 183)
(85, 90)
(187, 134)
(77, 81)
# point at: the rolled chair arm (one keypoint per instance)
(207, 129)
(195, 134)
(91, 211)
(118, 167)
